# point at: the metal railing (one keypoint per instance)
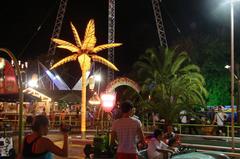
(148, 126)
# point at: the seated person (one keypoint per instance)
(36, 146)
(174, 143)
(157, 149)
(169, 133)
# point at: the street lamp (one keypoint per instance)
(232, 71)
(232, 67)
(34, 81)
(95, 100)
(228, 67)
(94, 78)
(98, 78)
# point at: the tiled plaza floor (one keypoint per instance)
(75, 150)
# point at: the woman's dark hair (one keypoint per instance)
(38, 121)
(126, 106)
(157, 132)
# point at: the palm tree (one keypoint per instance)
(171, 81)
(84, 52)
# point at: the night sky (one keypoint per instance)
(135, 25)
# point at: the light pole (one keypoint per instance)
(98, 78)
(238, 96)
(232, 69)
(232, 72)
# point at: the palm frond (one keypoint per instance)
(152, 56)
(104, 61)
(65, 60)
(181, 58)
(168, 59)
(190, 68)
(177, 82)
(105, 46)
(142, 68)
(63, 42)
(76, 36)
(68, 47)
(89, 38)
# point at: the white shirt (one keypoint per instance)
(126, 129)
(183, 116)
(152, 146)
(220, 118)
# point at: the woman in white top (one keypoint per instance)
(157, 149)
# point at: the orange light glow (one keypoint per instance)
(84, 52)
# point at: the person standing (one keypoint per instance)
(62, 116)
(183, 119)
(77, 112)
(125, 130)
(44, 111)
(183, 116)
(219, 119)
(52, 118)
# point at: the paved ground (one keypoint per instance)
(75, 151)
(76, 145)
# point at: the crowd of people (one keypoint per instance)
(126, 132)
(214, 116)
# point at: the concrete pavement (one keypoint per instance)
(76, 145)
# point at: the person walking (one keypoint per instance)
(219, 118)
(125, 131)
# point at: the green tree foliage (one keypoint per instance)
(211, 55)
(171, 82)
(219, 90)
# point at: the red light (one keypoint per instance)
(108, 101)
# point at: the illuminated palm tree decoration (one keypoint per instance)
(84, 52)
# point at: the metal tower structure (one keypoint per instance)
(57, 27)
(111, 36)
(159, 23)
(56, 34)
